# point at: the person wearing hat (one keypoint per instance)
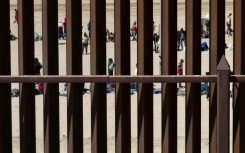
(228, 24)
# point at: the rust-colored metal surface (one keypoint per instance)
(169, 67)
(193, 67)
(239, 69)
(219, 77)
(217, 50)
(98, 67)
(5, 97)
(26, 67)
(50, 67)
(74, 67)
(122, 58)
(223, 109)
(145, 67)
(238, 78)
(113, 79)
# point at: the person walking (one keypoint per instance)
(228, 24)
(16, 16)
(180, 70)
(85, 40)
(60, 30)
(134, 30)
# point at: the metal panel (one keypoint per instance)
(26, 67)
(74, 67)
(239, 88)
(122, 52)
(5, 97)
(169, 60)
(223, 103)
(115, 79)
(98, 67)
(50, 67)
(145, 67)
(217, 50)
(193, 67)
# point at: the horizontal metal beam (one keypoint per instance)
(114, 79)
(237, 78)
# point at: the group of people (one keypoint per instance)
(134, 31)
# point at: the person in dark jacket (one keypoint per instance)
(111, 66)
(37, 66)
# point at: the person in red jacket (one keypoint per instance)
(134, 30)
(16, 16)
(180, 70)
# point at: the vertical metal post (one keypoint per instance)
(169, 66)
(26, 67)
(223, 103)
(98, 67)
(74, 67)
(145, 67)
(193, 67)
(123, 100)
(50, 67)
(217, 50)
(239, 69)
(5, 89)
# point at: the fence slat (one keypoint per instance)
(145, 67)
(5, 97)
(122, 52)
(239, 88)
(98, 67)
(50, 67)
(223, 109)
(74, 67)
(193, 67)
(26, 67)
(169, 90)
(217, 50)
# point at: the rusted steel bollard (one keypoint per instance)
(223, 106)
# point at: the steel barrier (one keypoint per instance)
(219, 77)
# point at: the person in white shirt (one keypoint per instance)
(60, 30)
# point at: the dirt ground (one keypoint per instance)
(110, 97)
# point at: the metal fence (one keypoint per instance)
(219, 77)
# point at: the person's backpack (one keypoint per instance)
(204, 46)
